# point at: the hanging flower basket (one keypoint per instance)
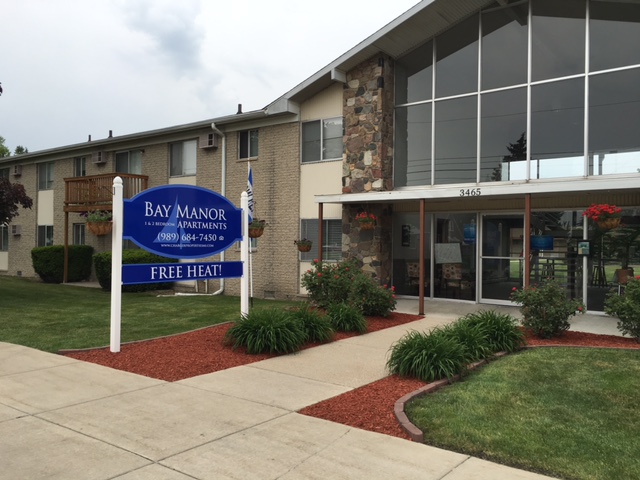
(608, 224)
(303, 245)
(100, 228)
(606, 216)
(256, 228)
(366, 220)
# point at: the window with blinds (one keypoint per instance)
(331, 239)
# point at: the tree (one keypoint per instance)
(12, 196)
(4, 151)
(20, 150)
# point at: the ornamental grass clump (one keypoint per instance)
(501, 330)
(267, 331)
(316, 326)
(546, 308)
(472, 337)
(626, 307)
(346, 318)
(427, 356)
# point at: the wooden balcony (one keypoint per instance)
(96, 191)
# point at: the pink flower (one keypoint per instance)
(514, 289)
(319, 274)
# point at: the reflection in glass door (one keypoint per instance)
(501, 256)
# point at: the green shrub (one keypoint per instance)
(102, 264)
(501, 330)
(48, 263)
(546, 308)
(472, 337)
(267, 331)
(344, 282)
(372, 299)
(328, 283)
(316, 326)
(346, 318)
(427, 356)
(627, 308)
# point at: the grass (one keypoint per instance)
(569, 413)
(53, 317)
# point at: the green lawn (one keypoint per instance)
(53, 317)
(568, 413)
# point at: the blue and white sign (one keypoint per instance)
(178, 272)
(182, 221)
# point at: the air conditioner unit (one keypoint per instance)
(209, 140)
(17, 170)
(16, 229)
(99, 158)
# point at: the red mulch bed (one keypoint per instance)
(369, 407)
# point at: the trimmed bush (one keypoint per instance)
(267, 331)
(427, 356)
(344, 282)
(501, 330)
(316, 326)
(102, 263)
(48, 263)
(372, 299)
(346, 318)
(627, 308)
(546, 308)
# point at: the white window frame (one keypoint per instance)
(331, 241)
(79, 234)
(133, 162)
(45, 235)
(45, 176)
(4, 237)
(322, 148)
(183, 158)
(80, 167)
(248, 144)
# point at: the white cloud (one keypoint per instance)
(72, 69)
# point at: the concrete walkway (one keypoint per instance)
(61, 418)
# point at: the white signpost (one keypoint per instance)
(197, 230)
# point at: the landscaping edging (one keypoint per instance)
(409, 428)
(414, 432)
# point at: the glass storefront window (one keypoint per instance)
(457, 59)
(455, 256)
(557, 129)
(414, 75)
(614, 113)
(406, 254)
(504, 46)
(455, 140)
(614, 31)
(558, 44)
(503, 143)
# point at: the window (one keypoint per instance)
(4, 173)
(331, 239)
(248, 147)
(45, 235)
(322, 140)
(45, 176)
(79, 233)
(183, 158)
(129, 162)
(4, 238)
(80, 167)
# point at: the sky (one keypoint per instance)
(74, 68)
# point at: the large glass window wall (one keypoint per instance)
(539, 93)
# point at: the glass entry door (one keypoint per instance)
(501, 260)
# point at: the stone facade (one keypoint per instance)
(368, 162)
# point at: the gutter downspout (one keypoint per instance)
(223, 190)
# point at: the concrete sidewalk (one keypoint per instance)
(65, 419)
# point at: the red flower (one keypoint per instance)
(514, 289)
(319, 274)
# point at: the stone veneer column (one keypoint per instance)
(368, 162)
